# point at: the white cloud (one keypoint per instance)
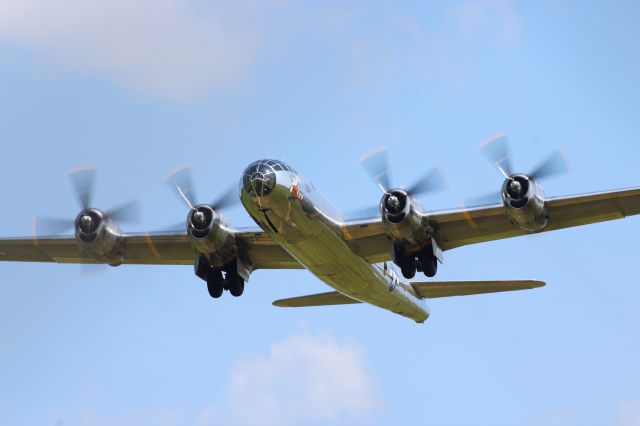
(489, 16)
(185, 49)
(169, 47)
(629, 414)
(303, 380)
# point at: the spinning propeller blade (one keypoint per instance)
(181, 183)
(433, 181)
(51, 226)
(496, 149)
(376, 165)
(83, 180)
(126, 213)
(83, 183)
(556, 164)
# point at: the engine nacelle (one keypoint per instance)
(524, 202)
(401, 221)
(210, 236)
(98, 236)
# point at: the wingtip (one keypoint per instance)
(537, 284)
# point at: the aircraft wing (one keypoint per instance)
(258, 248)
(464, 226)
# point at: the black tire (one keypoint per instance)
(214, 283)
(429, 265)
(235, 284)
(238, 288)
(408, 269)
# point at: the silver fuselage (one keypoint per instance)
(299, 218)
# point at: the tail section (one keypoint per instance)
(424, 290)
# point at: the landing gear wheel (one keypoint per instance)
(214, 283)
(408, 269)
(235, 284)
(429, 264)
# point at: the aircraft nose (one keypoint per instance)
(259, 179)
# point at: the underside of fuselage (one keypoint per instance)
(290, 210)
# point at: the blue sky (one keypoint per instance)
(137, 88)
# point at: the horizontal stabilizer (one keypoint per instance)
(433, 289)
(322, 299)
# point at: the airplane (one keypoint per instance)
(298, 229)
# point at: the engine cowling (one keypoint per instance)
(399, 216)
(524, 202)
(98, 236)
(210, 236)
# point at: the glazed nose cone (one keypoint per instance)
(259, 179)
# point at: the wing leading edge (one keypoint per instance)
(454, 228)
(258, 248)
(460, 227)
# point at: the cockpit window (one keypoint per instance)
(277, 165)
(259, 177)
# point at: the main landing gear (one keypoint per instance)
(216, 283)
(410, 263)
(220, 279)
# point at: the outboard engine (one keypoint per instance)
(98, 236)
(524, 203)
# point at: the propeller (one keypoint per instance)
(376, 165)
(496, 150)
(181, 183)
(83, 182)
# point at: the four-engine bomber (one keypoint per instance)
(300, 229)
